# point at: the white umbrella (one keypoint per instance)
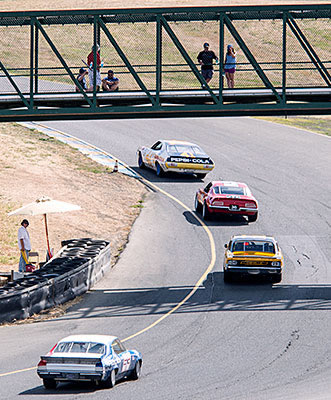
(44, 206)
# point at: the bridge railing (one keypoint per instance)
(155, 50)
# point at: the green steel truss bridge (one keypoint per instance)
(283, 62)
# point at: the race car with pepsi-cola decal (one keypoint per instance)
(232, 198)
(95, 358)
(176, 156)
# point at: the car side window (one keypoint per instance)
(157, 146)
(117, 347)
(207, 188)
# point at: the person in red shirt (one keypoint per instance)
(90, 62)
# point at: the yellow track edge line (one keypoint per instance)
(202, 278)
(17, 371)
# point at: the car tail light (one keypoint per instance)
(42, 363)
(250, 205)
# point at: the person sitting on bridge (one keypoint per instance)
(110, 83)
(81, 79)
(205, 59)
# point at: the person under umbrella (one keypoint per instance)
(24, 245)
(44, 206)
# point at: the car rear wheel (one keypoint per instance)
(252, 218)
(277, 278)
(136, 371)
(227, 276)
(200, 176)
(205, 211)
(140, 161)
(111, 380)
(159, 170)
(49, 383)
(197, 205)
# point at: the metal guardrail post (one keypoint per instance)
(284, 58)
(51, 44)
(125, 60)
(221, 55)
(36, 60)
(32, 43)
(158, 58)
(187, 58)
(250, 57)
(308, 49)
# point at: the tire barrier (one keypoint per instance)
(74, 270)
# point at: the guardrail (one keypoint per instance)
(78, 266)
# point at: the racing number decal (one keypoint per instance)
(126, 362)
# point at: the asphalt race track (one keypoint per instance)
(227, 342)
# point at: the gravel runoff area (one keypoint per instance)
(33, 165)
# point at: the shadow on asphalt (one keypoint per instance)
(213, 296)
(169, 177)
(216, 220)
(67, 388)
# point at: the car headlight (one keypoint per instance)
(232, 262)
(250, 205)
(275, 263)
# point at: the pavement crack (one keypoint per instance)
(294, 248)
(299, 262)
(305, 255)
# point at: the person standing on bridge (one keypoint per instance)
(90, 63)
(24, 245)
(230, 66)
(205, 59)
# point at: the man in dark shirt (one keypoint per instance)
(205, 59)
(110, 83)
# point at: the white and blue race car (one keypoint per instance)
(95, 358)
(176, 156)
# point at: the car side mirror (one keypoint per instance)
(226, 246)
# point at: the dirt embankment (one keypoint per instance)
(34, 165)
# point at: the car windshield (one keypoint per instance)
(183, 148)
(235, 190)
(261, 246)
(80, 347)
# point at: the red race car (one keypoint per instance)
(232, 198)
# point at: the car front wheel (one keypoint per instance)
(140, 161)
(49, 383)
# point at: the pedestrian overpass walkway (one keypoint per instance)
(283, 59)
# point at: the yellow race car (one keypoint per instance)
(253, 256)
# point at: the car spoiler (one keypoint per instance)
(70, 360)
